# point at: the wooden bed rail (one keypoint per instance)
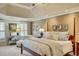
(29, 50)
(36, 54)
(21, 48)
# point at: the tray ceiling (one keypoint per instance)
(35, 10)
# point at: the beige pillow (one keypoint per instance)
(54, 35)
(47, 35)
(63, 36)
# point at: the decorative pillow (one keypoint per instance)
(47, 35)
(36, 34)
(63, 36)
(44, 34)
(54, 35)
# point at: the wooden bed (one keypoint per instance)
(71, 38)
(36, 54)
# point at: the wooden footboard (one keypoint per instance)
(21, 48)
(36, 54)
(29, 50)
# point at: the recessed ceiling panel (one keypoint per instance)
(52, 8)
(14, 10)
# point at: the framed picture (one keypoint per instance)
(54, 27)
(12, 27)
(59, 27)
(65, 27)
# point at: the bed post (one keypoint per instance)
(21, 48)
(75, 35)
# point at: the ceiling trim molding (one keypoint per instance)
(12, 18)
(59, 13)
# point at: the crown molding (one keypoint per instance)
(58, 13)
(12, 18)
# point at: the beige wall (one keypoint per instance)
(29, 28)
(77, 27)
(64, 19)
(40, 24)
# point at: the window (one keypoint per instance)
(2, 30)
(23, 28)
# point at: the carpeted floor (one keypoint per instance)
(12, 51)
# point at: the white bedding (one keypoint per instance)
(44, 46)
(37, 47)
(59, 48)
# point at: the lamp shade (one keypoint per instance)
(18, 29)
(41, 30)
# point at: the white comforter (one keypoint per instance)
(59, 48)
(37, 47)
(41, 46)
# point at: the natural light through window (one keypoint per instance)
(2, 30)
(23, 28)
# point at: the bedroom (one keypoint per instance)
(26, 19)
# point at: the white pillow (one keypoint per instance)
(63, 36)
(36, 34)
(54, 35)
(47, 35)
